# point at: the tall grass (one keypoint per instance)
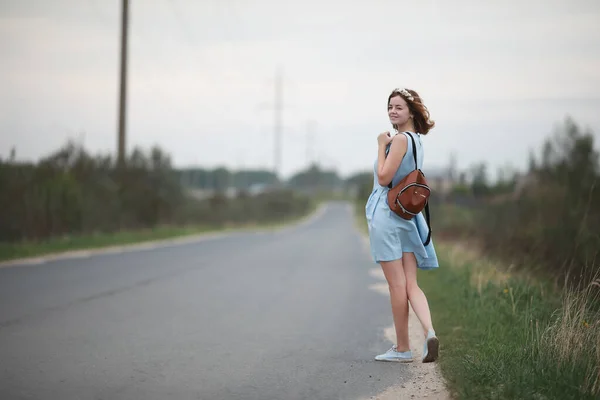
(573, 338)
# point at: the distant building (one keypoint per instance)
(258, 188)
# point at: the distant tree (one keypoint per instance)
(532, 162)
(506, 181)
(479, 180)
(221, 179)
(569, 157)
(314, 177)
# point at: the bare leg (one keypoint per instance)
(394, 274)
(417, 298)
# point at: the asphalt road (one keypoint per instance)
(272, 315)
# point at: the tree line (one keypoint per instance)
(72, 192)
(546, 218)
(552, 221)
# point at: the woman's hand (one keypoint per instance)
(384, 138)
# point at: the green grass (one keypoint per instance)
(453, 220)
(509, 337)
(512, 340)
(11, 251)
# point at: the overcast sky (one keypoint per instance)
(496, 76)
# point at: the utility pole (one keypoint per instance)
(278, 122)
(310, 137)
(123, 83)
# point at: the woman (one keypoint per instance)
(396, 243)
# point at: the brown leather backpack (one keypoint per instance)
(411, 195)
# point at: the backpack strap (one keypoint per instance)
(427, 218)
(414, 147)
(414, 151)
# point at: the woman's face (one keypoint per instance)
(398, 111)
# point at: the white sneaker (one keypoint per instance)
(393, 355)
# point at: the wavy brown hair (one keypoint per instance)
(421, 118)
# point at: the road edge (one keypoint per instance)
(161, 243)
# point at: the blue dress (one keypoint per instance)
(391, 235)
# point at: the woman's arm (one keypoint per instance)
(387, 166)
